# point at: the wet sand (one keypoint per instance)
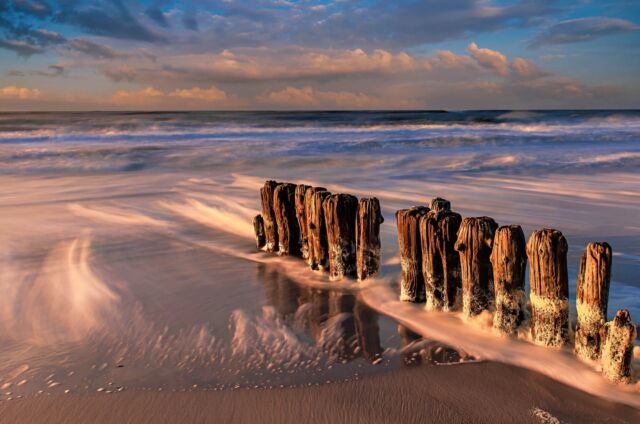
(471, 393)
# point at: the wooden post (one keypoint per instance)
(592, 297)
(340, 214)
(547, 252)
(258, 229)
(368, 238)
(412, 283)
(301, 215)
(439, 204)
(449, 223)
(269, 215)
(475, 240)
(285, 210)
(318, 246)
(618, 338)
(432, 272)
(509, 261)
(440, 261)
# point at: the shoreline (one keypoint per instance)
(481, 392)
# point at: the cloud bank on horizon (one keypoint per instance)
(318, 54)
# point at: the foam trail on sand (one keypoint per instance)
(450, 329)
(115, 216)
(64, 301)
(231, 218)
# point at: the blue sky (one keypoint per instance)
(342, 54)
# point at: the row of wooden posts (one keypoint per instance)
(332, 232)
(441, 253)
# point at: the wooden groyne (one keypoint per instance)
(453, 264)
(332, 232)
(440, 253)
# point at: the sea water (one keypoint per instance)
(127, 258)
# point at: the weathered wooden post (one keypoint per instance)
(368, 238)
(439, 204)
(269, 215)
(547, 252)
(285, 211)
(509, 261)
(475, 240)
(340, 214)
(258, 229)
(592, 297)
(432, 272)
(301, 190)
(318, 245)
(616, 352)
(449, 224)
(412, 283)
(440, 261)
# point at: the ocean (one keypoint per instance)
(127, 258)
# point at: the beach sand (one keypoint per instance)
(484, 392)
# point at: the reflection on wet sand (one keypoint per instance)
(416, 350)
(343, 326)
(340, 323)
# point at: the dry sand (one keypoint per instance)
(471, 393)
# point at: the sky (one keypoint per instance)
(319, 54)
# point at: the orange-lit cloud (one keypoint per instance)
(22, 93)
(195, 97)
(490, 59)
(526, 68)
(309, 98)
(211, 94)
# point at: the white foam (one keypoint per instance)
(450, 328)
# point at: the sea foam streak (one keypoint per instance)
(64, 301)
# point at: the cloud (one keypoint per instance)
(52, 71)
(189, 98)
(32, 7)
(190, 21)
(526, 68)
(93, 49)
(22, 93)
(208, 94)
(448, 60)
(47, 37)
(157, 16)
(145, 96)
(108, 18)
(581, 30)
(309, 98)
(490, 59)
(397, 24)
(22, 48)
(266, 64)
